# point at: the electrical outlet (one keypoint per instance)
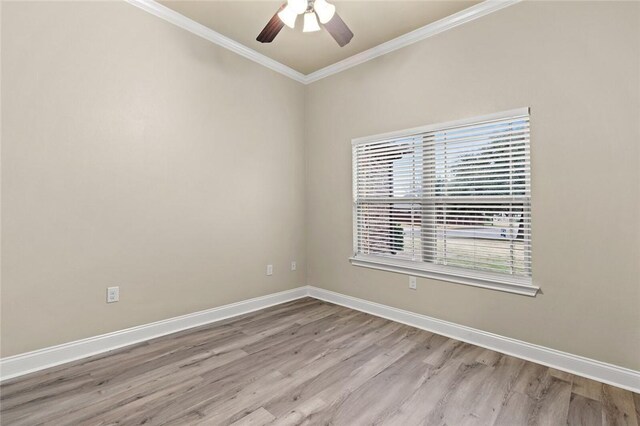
(113, 294)
(413, 284)
(269, 269)
(293, 265)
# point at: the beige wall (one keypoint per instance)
(577, 66)
(137, 154)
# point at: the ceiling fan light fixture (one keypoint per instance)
(310, 23)
(298, 6)
(313, 11)
(324, 10)
(288, 16)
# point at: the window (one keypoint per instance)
(449, 201)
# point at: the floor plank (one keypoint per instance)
(584, 411)
(587, 388)
(618, 407)
(310, 362)
(553, 403)
(260, 417)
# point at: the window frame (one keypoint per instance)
(473, 277)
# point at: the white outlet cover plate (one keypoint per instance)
(113, 294)
(413, 283)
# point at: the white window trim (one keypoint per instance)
(438, 272)
(493, 281)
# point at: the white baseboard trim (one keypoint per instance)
(29, 362)
(578, 365)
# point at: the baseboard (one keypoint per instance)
(581, 366)
(29, 362)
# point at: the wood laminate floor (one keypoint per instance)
(310, 362)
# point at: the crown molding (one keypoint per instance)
(467, 15)
(215, 37)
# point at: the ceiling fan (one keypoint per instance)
(313, 11)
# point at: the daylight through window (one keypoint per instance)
(452, 201)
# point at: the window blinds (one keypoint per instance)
(453, 199)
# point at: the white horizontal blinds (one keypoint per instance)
(386, 172)
(457, 196)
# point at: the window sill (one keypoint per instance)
(486, 280)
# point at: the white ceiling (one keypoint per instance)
(372, 22)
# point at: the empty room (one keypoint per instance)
(319, 212)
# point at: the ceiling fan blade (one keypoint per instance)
(272, 28)
(339, 30)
